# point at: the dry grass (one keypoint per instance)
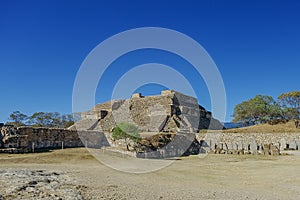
(71, 155)
(288, 127)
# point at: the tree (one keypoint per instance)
(290, 102)
(259, 109)
(67, 120)
(50, 119)
(126, 131)
(18, 118)
(38, 119)
(290, 113)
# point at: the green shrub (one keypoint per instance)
(125, 130)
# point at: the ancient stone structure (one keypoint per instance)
(167, 145)
(27, 139)
(24, 139)
(248, 143)
(174, 119)
(169, 112)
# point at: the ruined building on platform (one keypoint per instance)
(169, 124)
(169, 112)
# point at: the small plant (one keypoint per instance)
(126, 131)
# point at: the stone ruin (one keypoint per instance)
(172, 119)
(29, 139)
(169, 112)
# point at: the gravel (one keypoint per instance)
(37, 184)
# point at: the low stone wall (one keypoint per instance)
(248, 143)
(25, 139)
(28, 138)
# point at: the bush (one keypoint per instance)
(125, 130)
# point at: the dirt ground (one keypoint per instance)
(76, 174)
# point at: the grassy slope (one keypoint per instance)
(266, 128)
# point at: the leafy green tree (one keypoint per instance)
(242, 113)
(39, 119)
(66, 120)
(259, 109)
(51, 119)
(126, 131)
(290, 102)
(18, 118)
(290, 113)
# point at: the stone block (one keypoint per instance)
(274, 150)
(282, 145)
(292, 144)
(240, 145)
(230, 146)
(212, 144)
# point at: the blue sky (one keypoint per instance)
(255, 45)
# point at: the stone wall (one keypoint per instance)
(248, 143)
(27, 138)
(163, 145)
(23, 139)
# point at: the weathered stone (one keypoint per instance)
(298, 144)
(274, 150)
(170, 111)
(212, 144)
(217, 150)
(230, 146)
(282, 144)
(220, 145)
(240, 145)
(253, 147)
(266, 149)
(38, 138)
(204, 147)
(252, 143)
(292, 145)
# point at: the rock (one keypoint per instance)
(217, 150)
(167, 144)
(270, 149)
(230, 146)
(274, 150)
(29, 184)
(266, 149)
(292, 145)
(240, 145)
(253, 147)
(282, 144)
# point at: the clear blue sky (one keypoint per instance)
(255, 44)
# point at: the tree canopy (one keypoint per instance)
(290, 103)
(18, 118)
(42, 119)
(257, 110)
(263, 108)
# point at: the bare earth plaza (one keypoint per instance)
(149, 100)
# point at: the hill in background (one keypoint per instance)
(288, 127)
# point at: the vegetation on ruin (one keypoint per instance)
(126, 131)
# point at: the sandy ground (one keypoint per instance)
(76, 174)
